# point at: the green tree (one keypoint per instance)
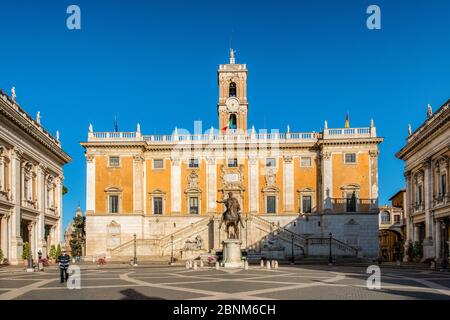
(77, 236)
(52, 253)
(26, 251)
(58, 251)
(65, 190)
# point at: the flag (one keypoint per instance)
(116, 127)
(224, 129)
(347, 122)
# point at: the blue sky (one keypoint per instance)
(155, 62)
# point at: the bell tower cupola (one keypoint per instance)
(232, 107)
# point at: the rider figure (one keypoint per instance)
(232, 207)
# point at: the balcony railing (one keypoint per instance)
(347, 205)
(232, 136)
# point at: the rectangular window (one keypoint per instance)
(114, 161)
(232, 163)
(350, 158)
(306, 204)
(419, 194)
(158, 164)
(193, 163)
(157, 205)
(271, 204)
(397, 219)
(305, 162)
(271, 162)
(193, 205)
(114, 204)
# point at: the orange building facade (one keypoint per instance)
(164, 188)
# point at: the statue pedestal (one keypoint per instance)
(232, 255)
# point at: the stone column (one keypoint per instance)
(40, 224)
(175, 185)
(407, 214)
(288, 184)
(16, 240)
(437, 238)
(327, 178)
(373, 178)
(211, 185)
(4, 242)
(59, 209)
(138, 175)
(90, 183)
(253, 181)
(2, 170)
(416, 233)
(428, 249)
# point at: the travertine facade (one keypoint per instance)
(290, 185)
(31, 182)
(426, 155)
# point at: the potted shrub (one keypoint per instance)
(26, 253)
(417, 251)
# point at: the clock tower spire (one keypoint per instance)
(232, 106)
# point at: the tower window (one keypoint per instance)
(233, 122)
(232, 89)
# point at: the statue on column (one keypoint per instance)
(231, 216)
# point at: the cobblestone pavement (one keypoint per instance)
(164, 282)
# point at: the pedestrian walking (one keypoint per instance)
(64, 261)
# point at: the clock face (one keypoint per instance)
(232, 104)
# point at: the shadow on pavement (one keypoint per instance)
(131, 294)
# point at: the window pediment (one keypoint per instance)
(113, 189)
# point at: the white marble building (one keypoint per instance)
(427, 166)
(31, 182)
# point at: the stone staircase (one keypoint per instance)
(310, 246)
(159, 247)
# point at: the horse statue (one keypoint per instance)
(231, 217)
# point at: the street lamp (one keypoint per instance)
(135, 256)
(444, 253)
(30, 256)
(330, 256)
(171, 251)
(292, 247)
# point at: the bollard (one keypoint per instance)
(276, 264)
(188, 265)
(201, 264)
(195, 264)
(217, 265)
(245, 265)
(268, 265)
(272, 263)
(262, 263)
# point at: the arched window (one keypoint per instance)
(232, 89)
(385, 217)
(233, 121)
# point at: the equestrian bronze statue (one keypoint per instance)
(231, 217)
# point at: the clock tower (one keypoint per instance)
(232, 107)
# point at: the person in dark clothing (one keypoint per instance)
(64, 260)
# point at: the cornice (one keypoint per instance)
(31, 129)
